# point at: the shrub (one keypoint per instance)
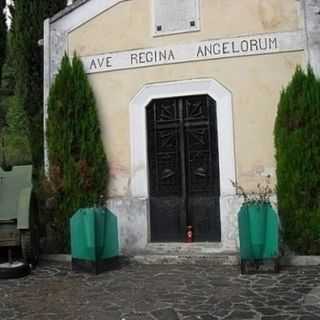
(27, 58)
(15, 135)
(3, 36)
(297, 142)
(78, 167)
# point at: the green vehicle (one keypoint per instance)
(18, 220)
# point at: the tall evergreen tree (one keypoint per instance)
(13, 124)
(78, 166)
(7, 84)
(297, 142)
(3, 36)
(27, 30)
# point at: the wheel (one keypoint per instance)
(29, 248)
(13, 270)
(277, 265)
(244, 267)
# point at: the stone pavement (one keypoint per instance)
(161, 292)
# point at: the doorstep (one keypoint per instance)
(179, 248)
(183, 253)
(217, 259)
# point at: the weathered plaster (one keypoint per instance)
(132, 214)
(134, 224)
(311, 11)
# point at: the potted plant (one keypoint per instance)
(258, 227)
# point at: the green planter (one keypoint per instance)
(258, 233)
(94, 240)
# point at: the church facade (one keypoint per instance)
(187, 95)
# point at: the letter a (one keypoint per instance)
(200, 52)
(93, 64)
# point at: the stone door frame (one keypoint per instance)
(138, 140)
(138, 132)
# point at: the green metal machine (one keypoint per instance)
(18, 213)
(259, 235)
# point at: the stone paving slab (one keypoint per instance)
(161, 292)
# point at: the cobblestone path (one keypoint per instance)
(161, 292)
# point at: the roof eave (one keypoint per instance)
(68, 10)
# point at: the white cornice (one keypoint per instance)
(81, 12)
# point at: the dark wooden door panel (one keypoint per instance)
(165, 185)
(166, 224)
(164, 149)
(183, 168)
(202, 168)
(205, 218)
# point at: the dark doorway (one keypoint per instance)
(183, 168)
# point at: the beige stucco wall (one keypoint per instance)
(255, 82)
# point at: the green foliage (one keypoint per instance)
(17, 149)
(8, 76)
(297, 142)
(78, 166)
(3, 41)
(7, 84)
(27, 30)
(3, 36)
(13, 126)
(16, 119)
(13, 122)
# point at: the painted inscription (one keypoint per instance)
(205, 50)
(152, 56)
(100, 62)
(237, 47)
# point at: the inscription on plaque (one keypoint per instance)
(204, 50)
(101, 62)
(236, 47)
(152, 56)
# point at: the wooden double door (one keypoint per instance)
(183, 160)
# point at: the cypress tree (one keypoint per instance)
(12, 117)
(297, 142)
(27, 30)
(78, 166)
(3, 36)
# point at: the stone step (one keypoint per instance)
(190, 253)
(180, 248)
(209, 259)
